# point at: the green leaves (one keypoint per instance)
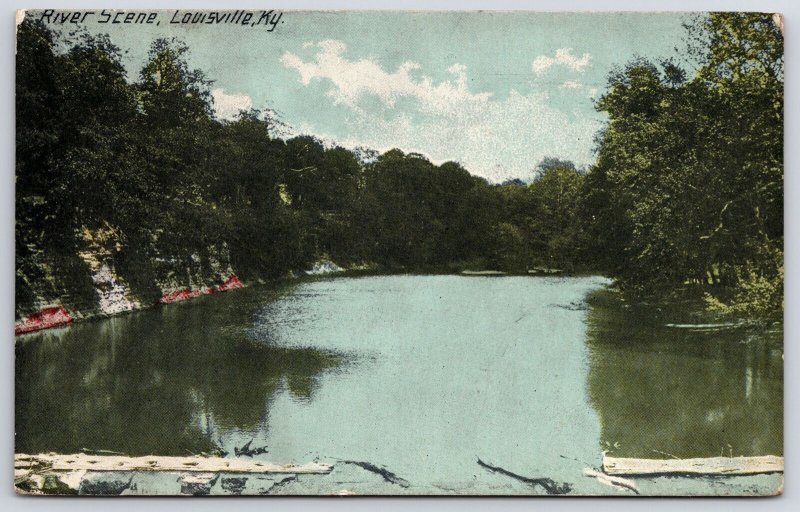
(690, 172)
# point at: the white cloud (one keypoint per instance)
(563, 57)
(494, 138)
(227, 106)
(571, 84)
(352, 79)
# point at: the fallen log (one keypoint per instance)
(81, 461)
(700, 466)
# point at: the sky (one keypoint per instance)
(495, 91)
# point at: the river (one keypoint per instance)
(421, 375)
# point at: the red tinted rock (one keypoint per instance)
(231, 283)
(45, 318)
(179, 295)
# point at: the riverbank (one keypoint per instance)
(114, 296)
(53, 316)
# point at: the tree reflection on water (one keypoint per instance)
(661, 387)
(169, 381)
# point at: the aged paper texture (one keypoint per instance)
(399, 253)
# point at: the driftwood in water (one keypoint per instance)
(482, 273)
(80, 461)
(613, 481)
(707, 466)
(385, 473)
(549, 485)
(249, 452)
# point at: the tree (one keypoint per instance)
(556, 194)
(551, 162)
(175, 130)
(42, 222)
(73, 153)
(671, 140)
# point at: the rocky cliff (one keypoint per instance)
(95, 286)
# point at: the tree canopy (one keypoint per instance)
(687, 186)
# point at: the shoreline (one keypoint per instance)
(55, 315)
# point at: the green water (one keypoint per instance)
(420, 374)
(665, 380)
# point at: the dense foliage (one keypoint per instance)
(687, 186)
(688, 183)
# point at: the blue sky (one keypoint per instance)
(495, 91)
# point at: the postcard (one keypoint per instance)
(463, 253)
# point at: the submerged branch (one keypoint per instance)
(548, 484)
(249, 452)
(386, 474)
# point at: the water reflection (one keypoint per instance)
(439, 370)
(682, 391)
(170, 380)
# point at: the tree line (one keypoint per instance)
(687, 185)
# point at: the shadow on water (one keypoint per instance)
(169, 380)
(667, 382)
